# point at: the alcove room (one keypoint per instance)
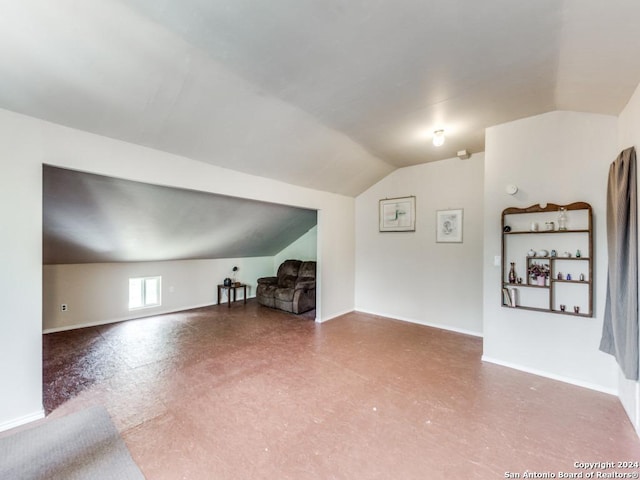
(194, 147)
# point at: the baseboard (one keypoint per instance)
(124, 319)
(426, 324)
(336, 315)
(552, 376)
(16, 422)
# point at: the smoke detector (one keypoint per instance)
(463, 154)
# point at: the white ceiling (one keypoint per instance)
(330, 94)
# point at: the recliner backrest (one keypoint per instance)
(287, 273)
(307, 270)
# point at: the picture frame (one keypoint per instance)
(449, 226)
(398, 214)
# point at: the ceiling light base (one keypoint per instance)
(438, 138)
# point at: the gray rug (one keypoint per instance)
(85, 445)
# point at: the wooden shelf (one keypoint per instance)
(584, 282)
(557, 258)
(528, 285)
(548, 310)
(556, 293)
(539, 232)
(570, 258)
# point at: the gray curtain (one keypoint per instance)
(620, 329)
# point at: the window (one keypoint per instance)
(144, 292)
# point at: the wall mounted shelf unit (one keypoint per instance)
(535, 229)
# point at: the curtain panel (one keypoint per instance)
(620, 328)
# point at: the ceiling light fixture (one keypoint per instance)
(438, 138)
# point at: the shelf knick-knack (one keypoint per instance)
(562, 218)
(512, 273)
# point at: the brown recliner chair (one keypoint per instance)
(292, 290)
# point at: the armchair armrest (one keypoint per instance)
(306, 284)
(268, 281)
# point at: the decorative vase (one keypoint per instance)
(541, 280)
(512, 273)
(562, 218)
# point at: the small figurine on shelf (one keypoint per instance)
(559, 275)
(512, 273)
(582, 277)
(578, 254)
(562, 218)
(568, 276)
(553, 253)
(563, 308)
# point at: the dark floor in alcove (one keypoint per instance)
(250, 392)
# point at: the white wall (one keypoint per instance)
(407, 275)
(97, 293)
(558, 157)
(29, 142)
(20, 276)
(304, 248)
(629, 135)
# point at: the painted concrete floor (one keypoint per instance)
(252, 393)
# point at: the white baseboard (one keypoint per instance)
(422, 322)
(124, 319)
(336, 315)
(553, 376)
(16, 422)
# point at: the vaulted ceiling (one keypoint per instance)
(330, 94)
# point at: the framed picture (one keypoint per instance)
(398, 214)
(449, 226)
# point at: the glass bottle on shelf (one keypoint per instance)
(562, 218)
(512, 273)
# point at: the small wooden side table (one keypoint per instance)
(232, 288)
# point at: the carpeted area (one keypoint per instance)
(84, 446)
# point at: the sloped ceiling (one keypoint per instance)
(92, 219)
(331, 94)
